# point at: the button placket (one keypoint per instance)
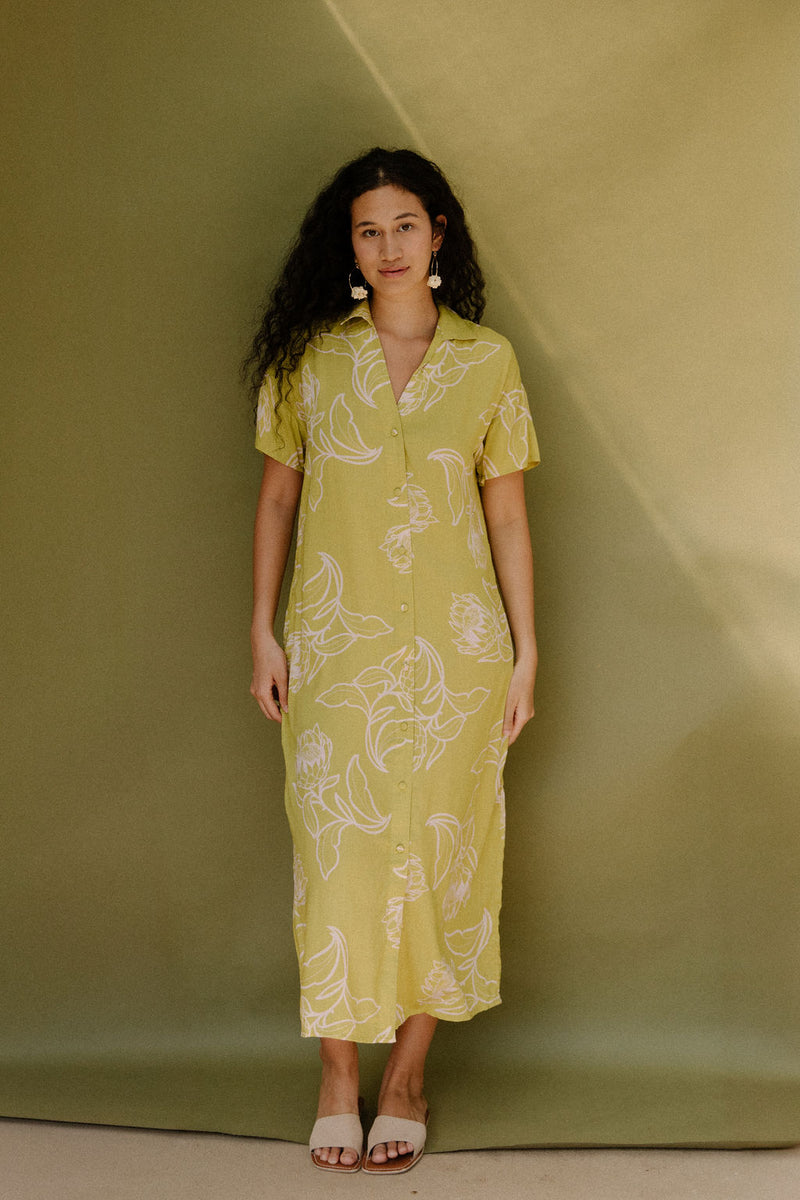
(401, 824)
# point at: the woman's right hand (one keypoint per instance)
(270, 683)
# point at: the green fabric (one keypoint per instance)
(624, 169)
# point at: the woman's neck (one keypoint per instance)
(407, 317)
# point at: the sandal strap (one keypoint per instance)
(342, 1130)
(396, 1129)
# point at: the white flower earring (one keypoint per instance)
(357, 290)
(434, 278)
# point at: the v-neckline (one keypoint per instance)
(422, 362)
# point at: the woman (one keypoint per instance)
(401, 427)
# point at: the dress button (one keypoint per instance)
(401, 785)
(403, 608)
(397, 491)
(399, 847)
(404, 724)
(395, 432)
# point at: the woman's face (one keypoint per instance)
(393, 239)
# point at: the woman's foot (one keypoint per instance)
(338, 1093)
(399, 1101)
(401, 1092)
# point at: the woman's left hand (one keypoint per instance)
(519, 701)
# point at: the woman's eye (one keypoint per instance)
(406, 225)
(368, 233)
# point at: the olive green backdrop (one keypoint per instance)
(631, 172)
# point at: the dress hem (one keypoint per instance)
(440, 1016)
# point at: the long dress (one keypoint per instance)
(399, 657)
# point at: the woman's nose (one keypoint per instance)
(390, 249)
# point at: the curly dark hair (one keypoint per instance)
(312, 290)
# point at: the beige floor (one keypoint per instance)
(43, 1160)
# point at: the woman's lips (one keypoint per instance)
(393, 272)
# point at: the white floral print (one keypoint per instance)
(440, 713)
(335, 436)
(467, 946)
(300, 883)
(398, 541)
(323, 626)
(393, 919)
(388, 696)
(481, 627)
(441, 992)
(456, 858)
(494, 753)
(364, 351)
(384, 693)
(417, 883)
(328, 1007)
(463, 501)
(515, 417)
(326, 809)
(430, 384)
(266, 422)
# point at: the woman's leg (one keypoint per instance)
(338, 1092)
(401, 1092)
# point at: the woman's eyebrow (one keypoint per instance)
(397, 218)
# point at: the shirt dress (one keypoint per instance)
(399, 658)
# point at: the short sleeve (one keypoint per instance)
(279, 430)
(510, 442)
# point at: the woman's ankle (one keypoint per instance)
(337, 1055)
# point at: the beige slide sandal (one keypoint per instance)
(342, 1130)
(395, 1129)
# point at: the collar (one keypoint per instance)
(450, 326)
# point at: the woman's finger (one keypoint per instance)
(266, 702)
(522, 715)
(517, 715)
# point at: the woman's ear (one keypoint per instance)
(439, 227)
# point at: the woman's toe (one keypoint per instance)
(348, 1158)
(379, 1153)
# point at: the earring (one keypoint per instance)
(357, 291)
(434, 278)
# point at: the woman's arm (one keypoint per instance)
(509, 537)
(277, 503)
